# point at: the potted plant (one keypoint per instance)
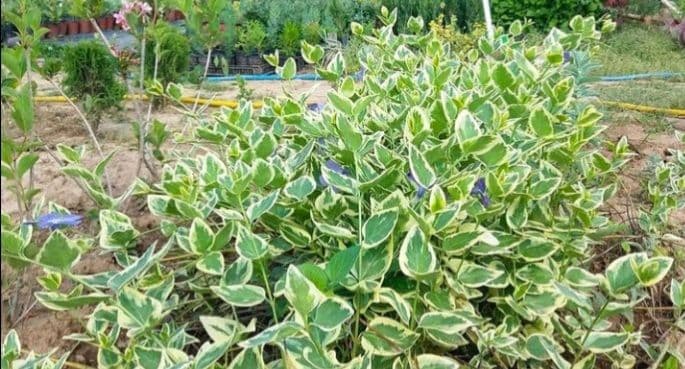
(53, 10)
(251, 38)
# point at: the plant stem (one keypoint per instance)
(88, 128)
(265, 279)
(357, 297)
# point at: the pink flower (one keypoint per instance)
(120, 19)
(144, 8)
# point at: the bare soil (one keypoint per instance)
(41, 329)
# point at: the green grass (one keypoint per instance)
(638, 48)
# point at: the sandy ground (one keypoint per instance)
(41, 329)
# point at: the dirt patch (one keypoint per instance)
(647, 147)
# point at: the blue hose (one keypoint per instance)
(315, 77)
(631, 77)
(264, 77)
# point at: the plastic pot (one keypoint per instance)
(54, 30)
(102, 23)
(62, 28)
(109, 22)
(84, 26)
(72, 27)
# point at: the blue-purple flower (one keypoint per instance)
(54, 221)
(420, 190)
(480, 191)
(359, 76)
(335, 167)
(316, 107)
(567, 56)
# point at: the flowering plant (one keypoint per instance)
(133, 13)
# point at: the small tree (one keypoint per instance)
(91, 76)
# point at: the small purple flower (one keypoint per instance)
(316, 107)
(334, 166)
(54, 221)
(567, 56)
(480, 191)
(420, 190)
(359, 75)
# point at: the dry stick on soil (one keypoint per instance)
(144, 125)
(141, 130)
(88, 127)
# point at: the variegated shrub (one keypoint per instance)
(438, 213)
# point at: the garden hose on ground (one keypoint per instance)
(185, 99)
(258, 104)
(632, 77)
(679, 113)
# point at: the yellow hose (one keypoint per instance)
(185, 99)
(259, 104)
(645, 109)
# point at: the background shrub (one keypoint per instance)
(545, 13)
(174, 53)
(91, 76)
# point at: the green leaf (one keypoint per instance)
(212, 263)
(274, 333)
(349, 133)
(209, 353)
(677, 293)
(136, 310)
(300, 292)
(61, 302)
(447, 322)
(132, 271)
(239, 272)
(242, 295)
(22, 108)
(332, 313)
(341, 103)
(117, 231)
(430, 361)
(379, 227)
(601, 342)
(335, 231)
(542, 348)
(250, 246)
(502, 76)
(220, 329)
(417, 257)
(300, 188)
(534, 249)
(541, 123)
(201, 237)
(25, 163)
(258, 208)
(386, 337)
(399, 303)
(474, 275)
(340, 264)
(538, 274)
(651, 271)
(248, 359)
(289, 69)
(581, 278)
(58, 252)
(517, 213)
(620, 274)
(420, 168)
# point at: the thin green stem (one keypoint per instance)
(270, 296)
